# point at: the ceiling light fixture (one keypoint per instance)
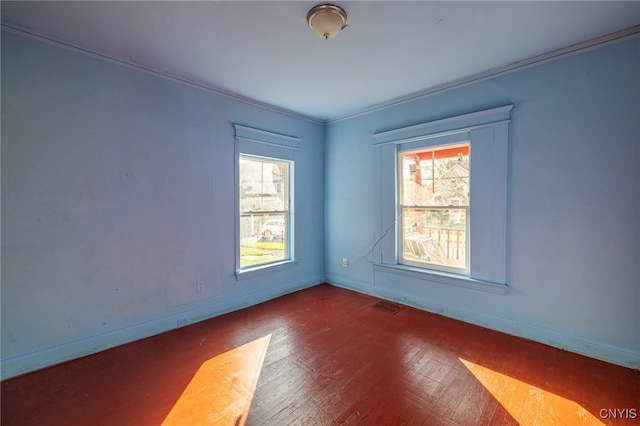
(327, 20)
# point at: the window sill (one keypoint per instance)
(442, 278)
(264, 269)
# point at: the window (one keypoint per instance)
(264, 181)
(264, 210)
(434, 207)
(440, 198)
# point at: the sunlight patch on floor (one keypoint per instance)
(222, 389)
(529, 404)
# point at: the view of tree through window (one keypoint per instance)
(434, 203)
(264, 210)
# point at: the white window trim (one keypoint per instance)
(487, 132)
(261, 270)
(442, 278)
(458, 139)
(262, 143)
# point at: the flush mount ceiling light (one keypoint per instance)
(327, 20)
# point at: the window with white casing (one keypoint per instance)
(264, 210)
(441, 200)
(264, 200)
(433, 193)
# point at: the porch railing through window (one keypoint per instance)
(451, 240)
(445, 246)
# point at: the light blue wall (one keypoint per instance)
(118, 196)
(573, 208)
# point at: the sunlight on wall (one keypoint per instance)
(529, 404)
(222, 389)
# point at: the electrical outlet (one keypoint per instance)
(345, 262)
(200, 286)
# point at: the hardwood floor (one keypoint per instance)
(325, 356)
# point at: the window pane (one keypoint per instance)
(263, 239)
(264, 184)
(435, 237)
(264, 215)
(435, 176)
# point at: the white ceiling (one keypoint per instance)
(265, 51)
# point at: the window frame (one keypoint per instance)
(432, 144)
(286, 211)
(488, 133)
(272, 146)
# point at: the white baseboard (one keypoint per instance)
(46, 357)
(578, 344)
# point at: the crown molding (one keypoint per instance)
(597, 42)
(162, 74)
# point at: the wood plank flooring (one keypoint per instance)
(325, 356)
